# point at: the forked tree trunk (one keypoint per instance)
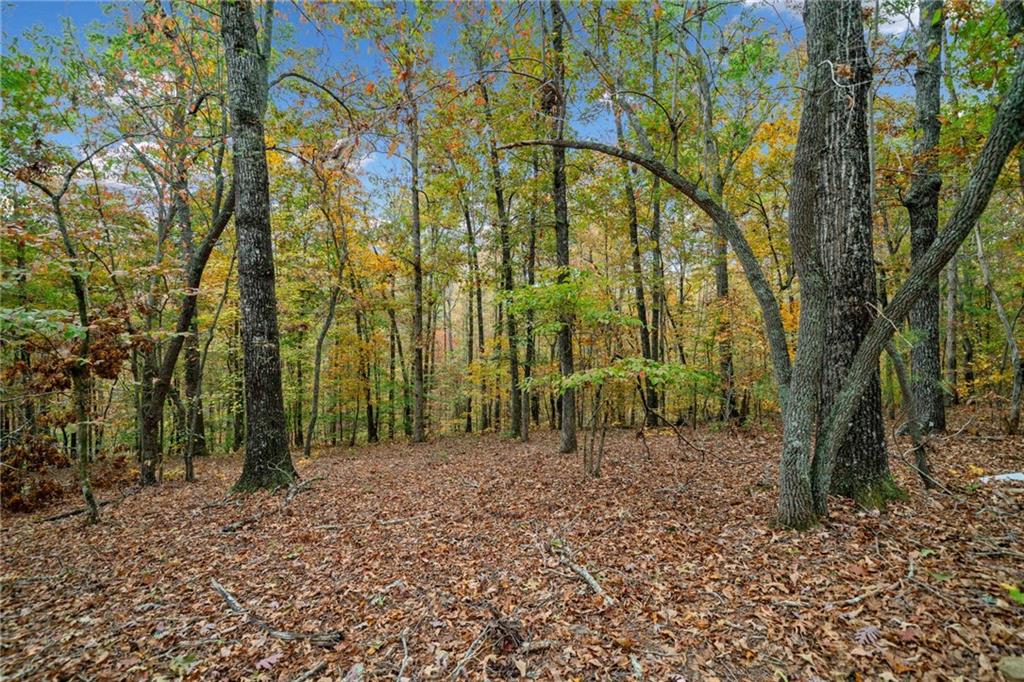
(268, 462)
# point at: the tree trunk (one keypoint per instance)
(196, 445)
(567, 441)
(237, 392)
(800, 408)
(922, 203)
(364, 373)
(651, 398)
(950, 349)
(469, 346)
(332, 304)
(1013, 416)
(531, 406)
(413, 122)
(268, 463)
(844, 223)
(297, 409)
(507, 283)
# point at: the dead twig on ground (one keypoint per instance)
(565, 556)
(295, 489)
(324, 639)
(312, 672)
(533, 647)
(405, 655)
(81, 510)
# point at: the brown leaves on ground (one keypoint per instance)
(453, 558)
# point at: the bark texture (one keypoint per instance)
(567, 442)
(413, 123)
(922, 203)
(838, 56)
(268, 463)
(505, 239)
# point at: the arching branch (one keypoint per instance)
(726, 225)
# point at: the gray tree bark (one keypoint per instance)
(557, 110)
(268, 463)
(922, 203)
(838, 56)
(950, 347)
(413, 123)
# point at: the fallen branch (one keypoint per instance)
(534, 647)
(295, 489)
(405, 656)
(471, 652)
(324, 639)
(507, 634)
(76, 512)
(309, 674)
(242, 523)
(587, 578)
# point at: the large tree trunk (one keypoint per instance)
(836, 36)
(268, 463)
(567, 441)
(800, 408)
(922, 203)
(1006, 133)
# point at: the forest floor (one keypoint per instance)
(466, 556)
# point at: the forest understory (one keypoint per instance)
(473, 556)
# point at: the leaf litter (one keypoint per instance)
(475, 557)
